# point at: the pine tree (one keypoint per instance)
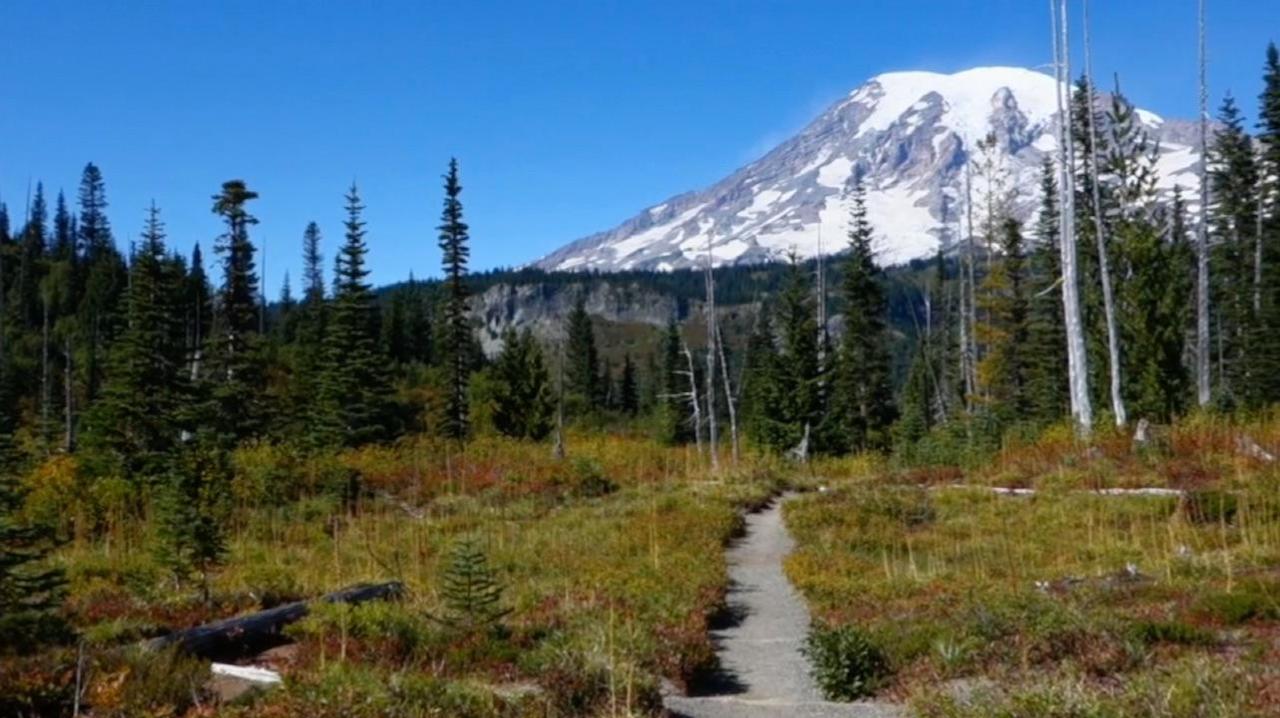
(628, 388)
(237, 376)
(1265, 342)
(25, 302)
(1046, 360)
(135, 425)
(471, 589)
(797, 410)
(675, 427)
(759, 377)
(583, 370)
(864, 395)
(523, 400)
(455, 333)
(1003, 369)
(1233, 181)
(29, 589)
(104, 279)
(354, 390)
(192, 507)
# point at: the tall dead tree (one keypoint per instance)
(692, 397)
(712, 433)
(728, 395)
(1077, 361)
(1104, 266)
(1203, 393)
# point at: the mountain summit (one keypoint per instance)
(909, 135)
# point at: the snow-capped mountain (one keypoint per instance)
(909, 135)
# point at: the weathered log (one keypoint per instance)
(240, 636)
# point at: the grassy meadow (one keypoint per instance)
(610, 564)
(1064, 602)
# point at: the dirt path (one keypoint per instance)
(764, 672)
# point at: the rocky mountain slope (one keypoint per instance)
(909, 135)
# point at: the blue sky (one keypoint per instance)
(567, 117)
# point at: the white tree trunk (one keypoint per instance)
(728, 395)
(1203, 394)
(713, 438)
(694, 409)
(1104, 264)
(1077, 361)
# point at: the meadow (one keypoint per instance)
(1061, 600)
(609, 564)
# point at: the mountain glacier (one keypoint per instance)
(909, 135)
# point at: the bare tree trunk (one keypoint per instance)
(1203, 395)
(713, 438)
(1108, 297)
(728, 395)
(693, 399)
(1077, 361)
(970, 346)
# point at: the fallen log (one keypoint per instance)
(239, 636)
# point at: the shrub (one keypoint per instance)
(589, 481)
(1210, 506)
(846, 663)
(1175, 632)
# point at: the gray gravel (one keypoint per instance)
(765, 673)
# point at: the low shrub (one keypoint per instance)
(846, 663)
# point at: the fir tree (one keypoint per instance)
(523, 400)
(238, 378)
(1003, 369)
(470, 588)
(759, 378)
(455, 334)
(864, 395)
(29, 588)
(628, 388)
(1265, 337)
(674, 424)
(354, 392)
(583, 371)
(1233, 180)
(796, 378)
(1046, 360)
(135, 424)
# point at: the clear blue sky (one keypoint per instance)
(567, 116)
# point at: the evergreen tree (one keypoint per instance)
(523, 400)
(104, 278)
(864, 395)
(29, 589)
(455, 334)
(1265, 341)
(354, 390)
(1003, 369)
(759, 378)
(796, 389)
(237, 376)
(471, 589)
(582, 374)
(135, 425)
(675, 426)
(628, 388)
(192, 508)
(25, 301)
(1233, 181)
(1046, 359)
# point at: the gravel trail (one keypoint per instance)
(764, 672)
